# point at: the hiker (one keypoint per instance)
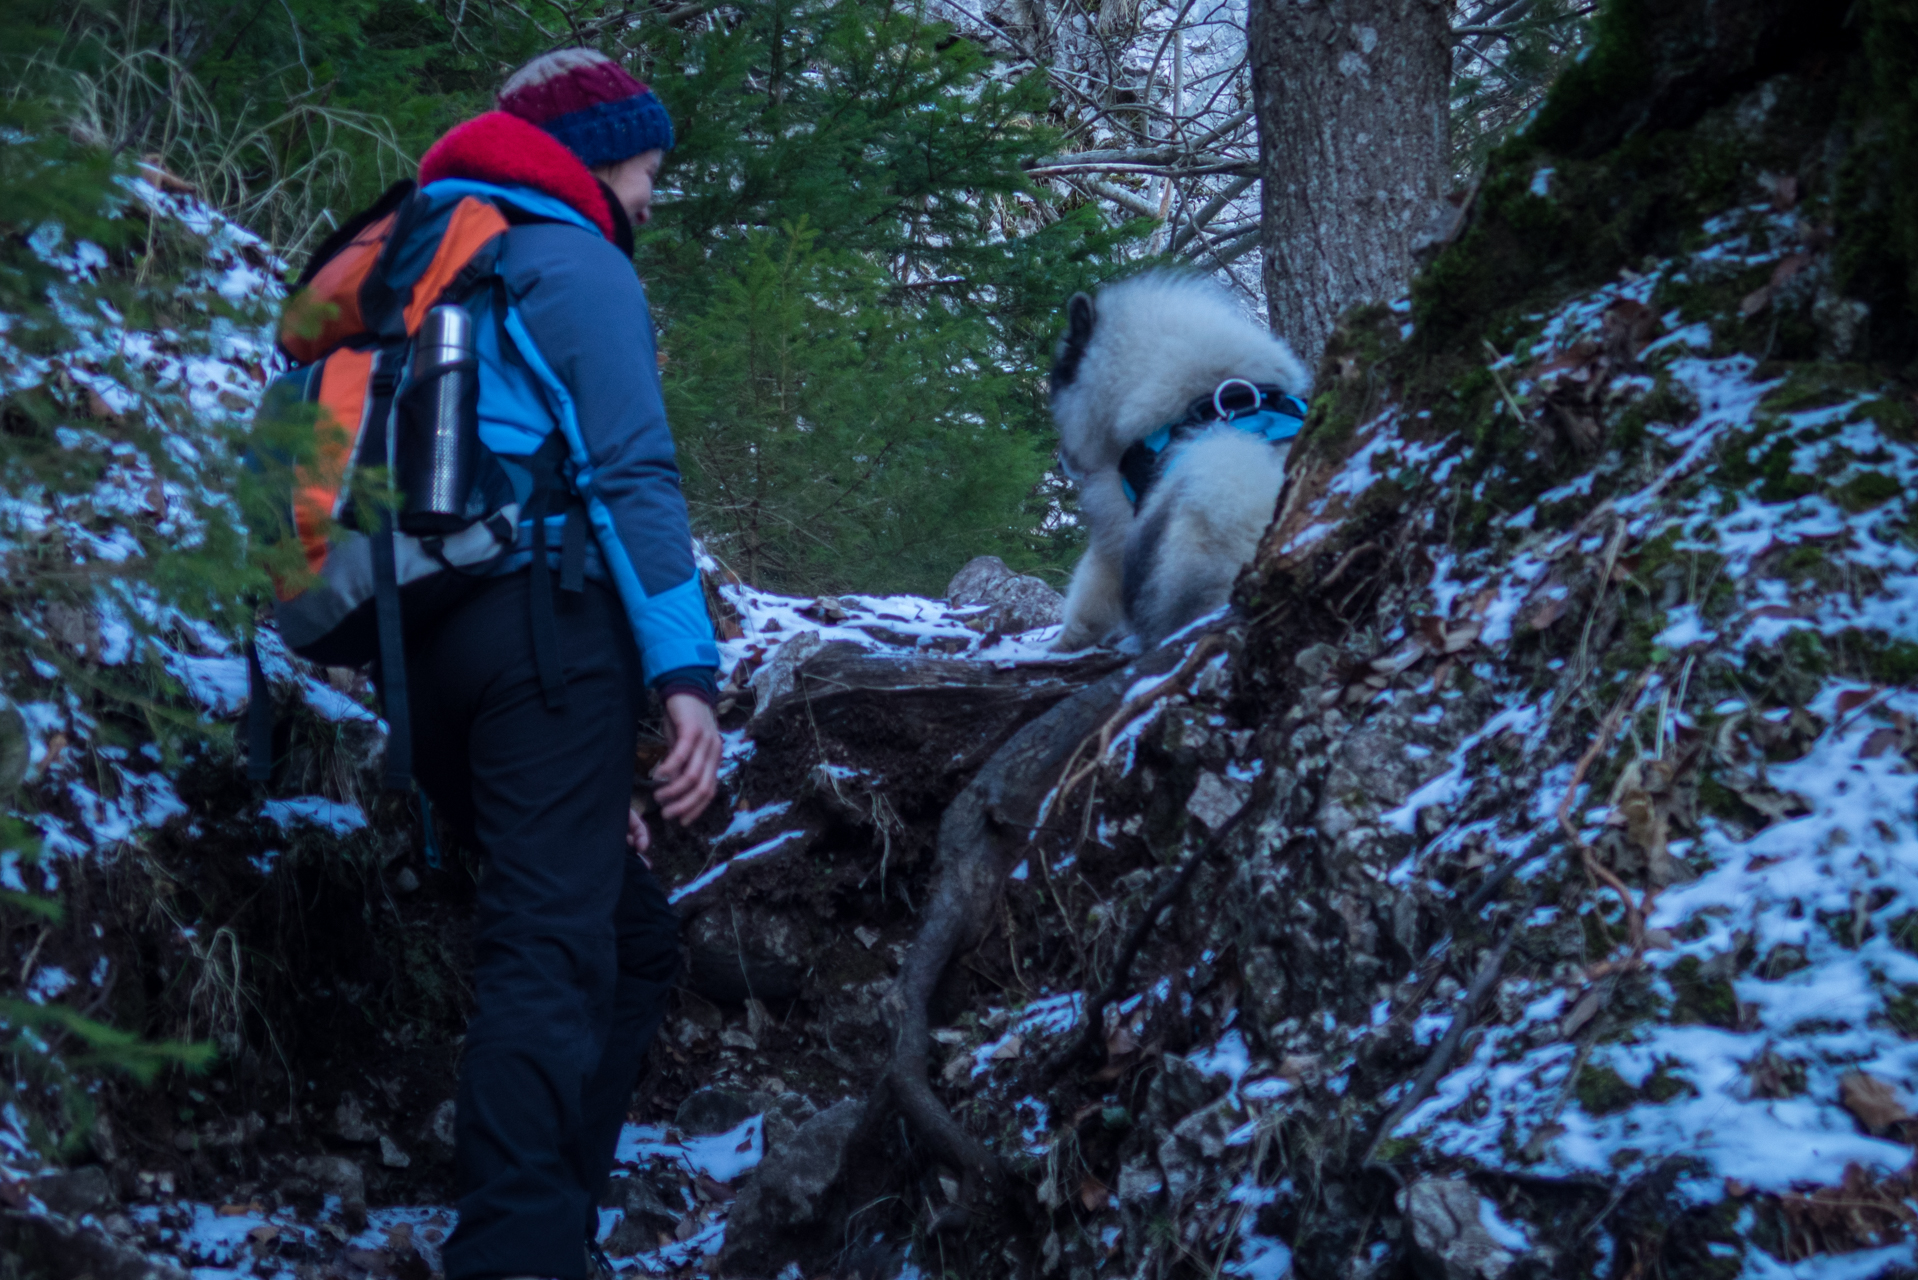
(482, 334)
(577, 947)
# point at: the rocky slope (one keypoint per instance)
(1521, 880)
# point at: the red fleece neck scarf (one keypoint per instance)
(505, 149)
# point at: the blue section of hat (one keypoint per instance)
(609, 132)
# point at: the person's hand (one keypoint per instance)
(638, 838)
(689, 775)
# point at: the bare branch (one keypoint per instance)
(1212, 209)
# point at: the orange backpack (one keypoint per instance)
(374, 334)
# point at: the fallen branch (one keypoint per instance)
(1634, 917)
(1462, 1014)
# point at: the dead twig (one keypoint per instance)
(1462, 1014)
(1596, 870)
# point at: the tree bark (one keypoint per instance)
(1351, 97)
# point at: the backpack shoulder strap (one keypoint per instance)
(438, 251)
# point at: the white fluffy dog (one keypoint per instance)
(1133, 361)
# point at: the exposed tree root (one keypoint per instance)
(983, 833)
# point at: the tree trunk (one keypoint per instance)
(1351, 97)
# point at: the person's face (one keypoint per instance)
(632, 183)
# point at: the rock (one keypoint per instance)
(1196, 1145)
(859, 1012)
(75, 1192)
(786, 1209)
(1449, 1240)
(1178, 1090)
(350, 1122)
(643, 1215)
(1018, 602)
(786, 1113)
(776, 679)
(390, 1154)
(744, 953)
(1215, 799)
(36, 1245)
(714, 1111)
(338, 1176)
(439, 1126)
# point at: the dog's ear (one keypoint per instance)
(1079, 319)
(1072, 347)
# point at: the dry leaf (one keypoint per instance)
(1781, 187)
(1872, 1103)
(1093, 1194)
(1759, 299)
(1010, 1048)
(1540, 1142)
(1296, 1066)
(1880, 741)
(1457, 638)
(713, 1189)
(1549, 610)
(867, 936)
(1580, 1014)
(1853, 698)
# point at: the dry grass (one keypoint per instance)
(280, 169)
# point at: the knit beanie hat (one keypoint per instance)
(583, 98)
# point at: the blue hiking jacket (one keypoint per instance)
(575, 350)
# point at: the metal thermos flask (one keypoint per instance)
(436, 425)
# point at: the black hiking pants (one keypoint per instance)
(576, 947)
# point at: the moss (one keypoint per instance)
(1884, 659)
(1861, 493)
(1601, 1091)
(1700, 999)
(1819, 386)
(1665, 1082)
(1395, 1149)
(1901, 1010)
(1357, 351)
(1894, 417)
(1903, 932)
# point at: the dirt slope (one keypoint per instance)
(1522, 879)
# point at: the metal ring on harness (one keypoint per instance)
(1218, 405)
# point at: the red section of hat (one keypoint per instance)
(504, 149)
(573, 90)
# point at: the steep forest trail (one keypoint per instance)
(1521, 880)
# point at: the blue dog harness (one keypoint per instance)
(1267, 412)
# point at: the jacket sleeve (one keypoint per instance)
(578, 309)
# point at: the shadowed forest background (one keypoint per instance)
(856, 281)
